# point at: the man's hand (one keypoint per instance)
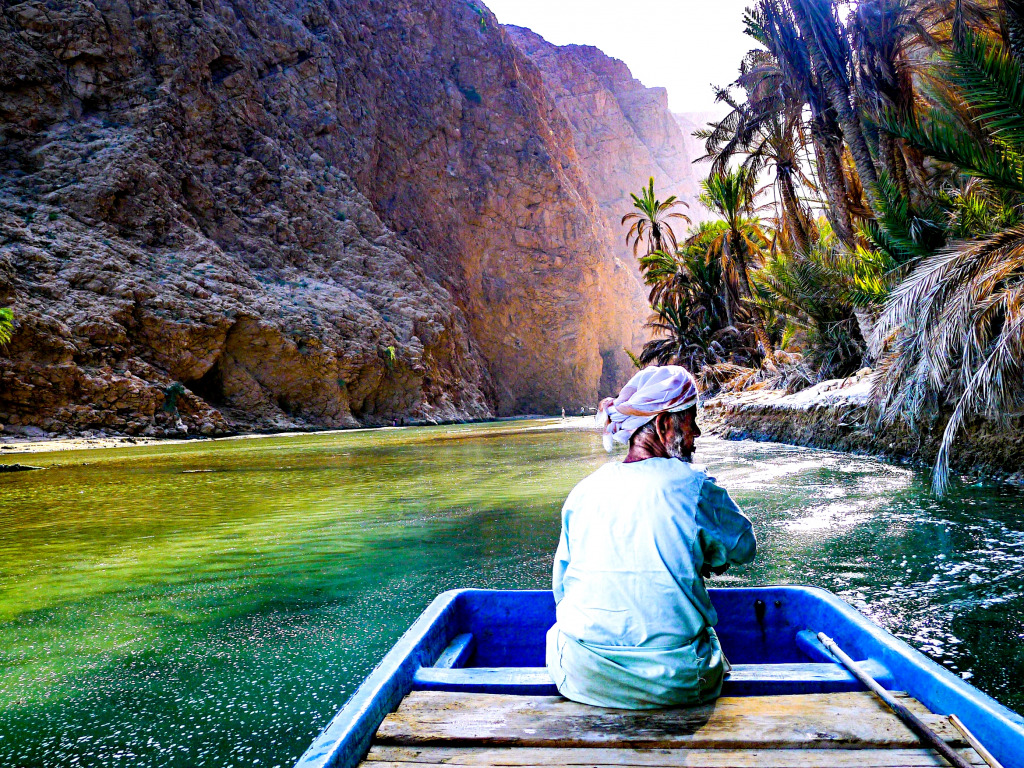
(706, 570)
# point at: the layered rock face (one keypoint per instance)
(623, 131)
(308, 213)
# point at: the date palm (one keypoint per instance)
(688, 278)
(832, 58)
(955, 326)
(768, 138)
(816, 291)
(651, 222)
(883, 35)
(739, 246)
(731, 195)
(783, 70)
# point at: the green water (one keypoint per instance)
(214, 603)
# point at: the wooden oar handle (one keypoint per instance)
(911, 720)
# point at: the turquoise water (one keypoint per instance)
(214, 603)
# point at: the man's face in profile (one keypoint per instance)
(680, 434)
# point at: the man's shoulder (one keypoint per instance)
(674, 469)
(647, 475)
(599, 477)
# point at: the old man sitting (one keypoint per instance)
(634, 623)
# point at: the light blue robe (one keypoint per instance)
(633, 618)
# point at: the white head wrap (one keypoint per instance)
(654, 390)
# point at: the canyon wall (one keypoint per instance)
(232, 214)
(689, 122)
(623, 131)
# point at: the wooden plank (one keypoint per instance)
(457, 653)
(841, 720)
(811, 672)
(384, 756)
(743, 680)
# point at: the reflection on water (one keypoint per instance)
(214, 603)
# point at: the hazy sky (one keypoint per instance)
(682, 45)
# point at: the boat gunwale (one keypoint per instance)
(346, 739)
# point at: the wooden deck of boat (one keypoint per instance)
(845, 730)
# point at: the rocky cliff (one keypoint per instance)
(623, 131)
(227, 214)
(688, 122)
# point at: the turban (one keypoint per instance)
(654, 390)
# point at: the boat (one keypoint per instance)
(466, 685)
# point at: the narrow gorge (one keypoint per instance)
(232, 216)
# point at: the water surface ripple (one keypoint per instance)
(214, 603)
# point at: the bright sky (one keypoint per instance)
(682, 45)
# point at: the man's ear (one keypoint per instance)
(662, 422)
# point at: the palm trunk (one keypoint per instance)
(893, 161)
(830, 174)
(736, 246)
(759, 327)
(791, 206)
(866, 323)
(854, 137)
(732, 292)
(766, 342)
(838, 94)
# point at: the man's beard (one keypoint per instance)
(676, 449)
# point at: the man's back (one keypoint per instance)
(633, 615)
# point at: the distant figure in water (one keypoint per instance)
(563, 414)
(634, 624)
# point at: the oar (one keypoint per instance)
(973, 741)
(911, 720)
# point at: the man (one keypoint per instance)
(633, 618)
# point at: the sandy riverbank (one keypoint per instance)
(13, 445)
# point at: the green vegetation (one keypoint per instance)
(650, 223)
(889, 137)
(471, 94)
(481, 16)
(6, 325)
(171, 395)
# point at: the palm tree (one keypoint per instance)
(955, 326)
(769, 133)
(731, 195)
(783, 73)
(651, 221)
(677, 341)
(883, 35)
(690, 279)
(739, 246)
(816, 292)
(682, 339)
(832, 59)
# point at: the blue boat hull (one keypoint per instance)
(766, 632)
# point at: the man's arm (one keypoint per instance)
(560, 565)
(726, 532)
